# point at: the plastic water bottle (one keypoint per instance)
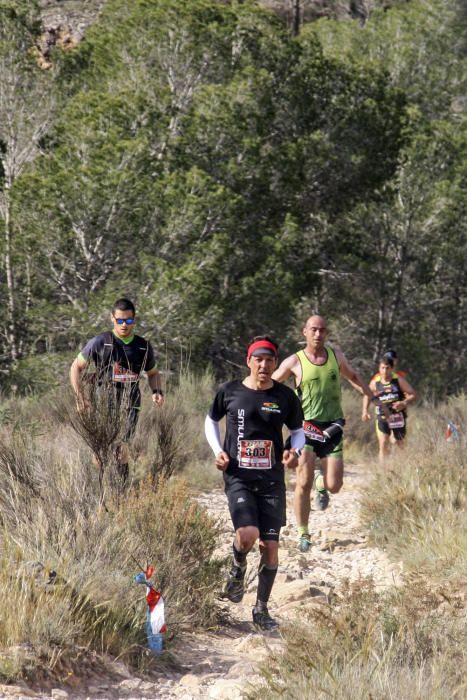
(155, 640)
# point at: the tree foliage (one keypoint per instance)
(231, 178)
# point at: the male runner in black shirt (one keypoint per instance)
(253, 460)
(119, 357)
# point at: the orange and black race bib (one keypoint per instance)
(255, 454)
(396, 420)
(313, 432)
(122, 374)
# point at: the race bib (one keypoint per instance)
(255, 454)
(396, 420)
(122, 374)
(313, 432)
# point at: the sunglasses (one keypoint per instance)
(121, 321)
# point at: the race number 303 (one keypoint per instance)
(255, 454)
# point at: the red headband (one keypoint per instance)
(261, 345)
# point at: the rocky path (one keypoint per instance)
(220, 664)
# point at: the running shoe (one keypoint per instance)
(304, 543)
(322, 500)
(235, 588)
(263, 620)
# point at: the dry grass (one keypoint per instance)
(408, 641)
(415, 506)
(183, 414)
(52, 519)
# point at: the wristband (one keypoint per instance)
(297, 452)
(158, 391)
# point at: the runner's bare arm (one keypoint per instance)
(77, 368)
(154, 381)
(409, 395)
(351, 375)
(288, 368)
(366, 402)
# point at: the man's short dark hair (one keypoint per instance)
(387, 360)
(124, 305)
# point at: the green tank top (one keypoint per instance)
(320, 388)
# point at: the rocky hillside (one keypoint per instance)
(65, 21)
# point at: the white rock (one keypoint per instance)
(226, 690)
(130, 684)
(189, 681)
(16, 691)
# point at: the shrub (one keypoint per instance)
(415, 505)
(401, 643)
(52, 521)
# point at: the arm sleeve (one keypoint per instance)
(211, 429)
(297, 438)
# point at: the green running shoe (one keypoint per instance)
(304, 543)
(322, 500)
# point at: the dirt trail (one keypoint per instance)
(220, 664)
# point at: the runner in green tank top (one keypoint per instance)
(317, 370)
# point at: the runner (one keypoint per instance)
(316, 370)
(119, 357)
(395, 393)
(391, 355)
(253, 460)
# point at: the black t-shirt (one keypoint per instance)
(254, 420)
(120, 363)
(388, 393)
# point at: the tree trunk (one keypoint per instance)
(296, 19)
(12, 346)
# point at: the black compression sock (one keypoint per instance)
(266, 576)
(239, 558)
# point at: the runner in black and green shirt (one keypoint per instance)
(119, 358)
(395, 393)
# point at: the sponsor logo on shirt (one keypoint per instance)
(270, 407)
(241, 429)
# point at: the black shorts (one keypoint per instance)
(383, 427)
(332, 447)
(259, 503)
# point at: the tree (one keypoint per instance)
(26, 111)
